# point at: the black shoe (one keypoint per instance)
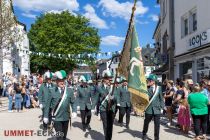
(144, 137)
(88, 127)
(127, 126)
(84, 129)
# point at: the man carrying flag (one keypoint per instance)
(156, 104)
(108, 102)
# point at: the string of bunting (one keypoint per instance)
(72, 56)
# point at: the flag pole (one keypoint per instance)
(127, 34)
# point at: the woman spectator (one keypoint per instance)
(203, 85)
(27, 97)
(180, 94)
(168, 100)
(184, 116)
(10, 96)
(23, 94)
(18, 97)
(34, 102)
(199, 110)
(1, 87)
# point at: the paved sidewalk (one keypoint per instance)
(29, 120)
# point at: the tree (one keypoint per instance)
(9, 31)
(62, 33)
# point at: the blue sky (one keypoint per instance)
(111, 17)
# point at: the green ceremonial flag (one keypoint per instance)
(136, 79)
(131, 66)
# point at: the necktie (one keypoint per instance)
(125, 88)
(152, 89)
(62, 91)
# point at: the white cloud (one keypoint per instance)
(112, 40)
(29, 15)
(154, 17)
(123, 10)
(94, 19)
(46, 5)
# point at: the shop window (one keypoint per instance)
(184, 26)
(203, 68)
(193, 20)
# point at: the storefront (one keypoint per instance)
(195, 63)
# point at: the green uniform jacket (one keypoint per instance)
(44, 93)
(157, 104)
(125, 100)
(64, 111)
(94, 95)
(84, 97)
(102, 95)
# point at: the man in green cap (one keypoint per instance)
(125, 103)
(85, 102)
(108, 104)
(44, 94)
(156, 104)
(60, 101)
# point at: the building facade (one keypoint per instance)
(165, 40)
(192, 37)
(15, 57)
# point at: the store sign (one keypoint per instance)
(199, 39)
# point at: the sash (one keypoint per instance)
(107, 96)
(153, 97)
(63, 98)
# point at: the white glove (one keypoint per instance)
(118, 104)
(41, 106)
(92, 111)
(74, 115)
(161, 111)
(45, 120)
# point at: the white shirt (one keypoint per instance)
(60, 89)
(153, 90)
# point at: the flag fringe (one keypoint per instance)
(139, 100)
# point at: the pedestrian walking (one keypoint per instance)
(154, 109)
(85, 103)
(44, 95)
(125, 103)
(60, 100)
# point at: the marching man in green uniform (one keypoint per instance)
(44, 94)
(156, 104)
(61, 99)
(108, 104)
(85, 103)
(125, 103)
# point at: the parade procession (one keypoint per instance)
(104, 70)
